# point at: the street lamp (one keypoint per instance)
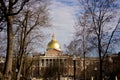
(110, 59)
(111, 66)
(84, 64)
(16, 73)
(95, 73)
(74, 63)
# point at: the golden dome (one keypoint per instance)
(53, 44)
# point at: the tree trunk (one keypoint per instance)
(100, 54)
(21, 53)
(9, 55)
(20, 61)
(101, 71)
(19, 72)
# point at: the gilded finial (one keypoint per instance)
(53, 36)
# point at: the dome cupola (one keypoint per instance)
(53, 44)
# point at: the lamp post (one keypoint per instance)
(74, 63)
(38, 72)
(16, 73)
(111, 66)
(110, 59)
(84, 64)
(95, 76)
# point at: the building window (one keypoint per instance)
(42, 62)
(47, 62)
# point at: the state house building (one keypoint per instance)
(54, 61)
(55, 65)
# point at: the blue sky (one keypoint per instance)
(62, 13)
(63, 17)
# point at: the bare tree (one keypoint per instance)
(99, 36)
(30, 21)
(100, 14)
(8, 9)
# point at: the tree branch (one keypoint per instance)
(21, 7)
(111, 38)
(14, 2)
